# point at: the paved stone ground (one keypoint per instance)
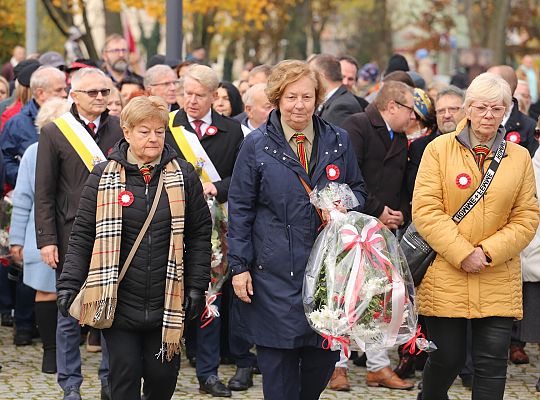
(20, 378)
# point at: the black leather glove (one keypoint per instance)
(194, 303)
(64, 298)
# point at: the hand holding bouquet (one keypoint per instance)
(357, 284)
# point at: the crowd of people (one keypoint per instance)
(110, 175)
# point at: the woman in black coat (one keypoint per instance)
(147, 304)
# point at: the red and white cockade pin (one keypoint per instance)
(125, 198)
(463, 181)
(211, 130)
(513, 137)
(332, 172)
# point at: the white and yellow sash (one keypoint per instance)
(192, 149)
(81, 141)
(194, 153)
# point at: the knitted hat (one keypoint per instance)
(397, 63)
(423, 106)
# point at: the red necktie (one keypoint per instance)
(146, 170)
(480, 154)
(301, 150)
(92, 127)
(198, 131)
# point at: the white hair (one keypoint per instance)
(81, 73)
(41, 78)
(50, 110)
(206, 76)
(248, 97)
(489, 87)
(154, 73)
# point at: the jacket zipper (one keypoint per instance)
(291, 247)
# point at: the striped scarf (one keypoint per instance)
(100, 295)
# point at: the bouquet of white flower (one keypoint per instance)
(357, 284)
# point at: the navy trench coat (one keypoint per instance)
(272, 228)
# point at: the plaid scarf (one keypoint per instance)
(102, 283)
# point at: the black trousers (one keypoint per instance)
(295, 374)
(490, 341)
(132, 357)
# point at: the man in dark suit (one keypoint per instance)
(60, 178)
(349, 70)
(220, 137)
(381, 149)
(519, 127)
(339, 103)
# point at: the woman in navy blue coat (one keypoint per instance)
(272, 228)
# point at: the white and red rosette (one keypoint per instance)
(513, 137)
(211, 130)
(125, 198)
(332, 172)
(463, 181)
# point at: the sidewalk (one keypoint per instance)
(20, 378)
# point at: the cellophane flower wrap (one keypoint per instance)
(6, 207)
(219, 268)
(358, 290)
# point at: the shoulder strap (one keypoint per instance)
(143, 229)
(486, 181)
(309, 190)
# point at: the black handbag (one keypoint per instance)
(417, 251)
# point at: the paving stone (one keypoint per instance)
(21, 378)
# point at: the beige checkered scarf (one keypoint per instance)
(102, 283)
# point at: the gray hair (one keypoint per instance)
(206, 76)
(451, 91)
(153, 74)
(81, 73)
(248, 96)
(488, 87)
(42, 77)
(50, 110)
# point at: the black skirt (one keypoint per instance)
(529, 326)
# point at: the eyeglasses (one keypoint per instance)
(95, 92)
(117, 51)
(496, 111)
(403, 105)
(449, 110)
(175, 83)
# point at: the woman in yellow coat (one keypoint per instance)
(476, 275)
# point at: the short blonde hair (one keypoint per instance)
(206, 76)
(50, 110)
(488, 87)
(287, 72)
(144, 108)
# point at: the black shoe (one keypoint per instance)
(226, 361)
(242, 379)
(360, 361)
(22, 338)
(467, 381)
(215, 387)
(72, 393)
(7, 319)
(256, 370)
(48, 364)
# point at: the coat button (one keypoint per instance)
(266, 148)
(260, 267)
(40, 231)
(275, 151)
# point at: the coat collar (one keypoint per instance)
(330, 146)
(462, 135)
(394, 147)
(102, 122)
(31, 109)
(119, 154)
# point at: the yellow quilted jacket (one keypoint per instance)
(502, 223)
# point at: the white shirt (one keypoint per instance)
(507, 116)
(87, 121)
(330, 94)
(207, 121)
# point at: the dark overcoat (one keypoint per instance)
(382, 161)
(341, 105)
(272, 227)
(60, 178)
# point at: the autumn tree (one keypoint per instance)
(12, 26)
